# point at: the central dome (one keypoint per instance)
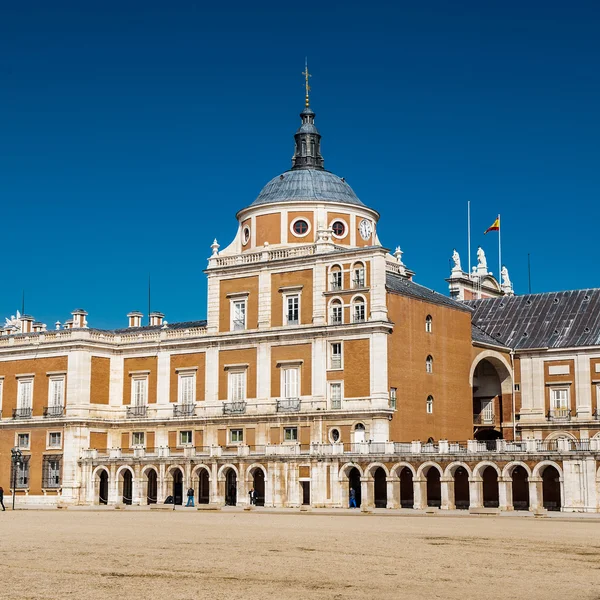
(307, 184)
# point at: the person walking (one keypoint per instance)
(2, 497)
(190, 496)
(352, 498)
(252, 495)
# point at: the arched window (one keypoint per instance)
(358, 310)
(358, 275)
(335, 278)
(359, 433)
(335, 312)
(428, 321)
(429, 364)
(429, 405)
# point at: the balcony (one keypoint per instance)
(484, 419)
(358, 283)
(288, 404)
(596, 414)
(559, 415)
(184, 410)
(336, 319)
(54, 411)
(234, 408)
(139, 411)
(22, 413)
(239, 324)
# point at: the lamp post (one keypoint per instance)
(17, 461)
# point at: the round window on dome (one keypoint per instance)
(246, 235)
(339, 229)
(300, 227)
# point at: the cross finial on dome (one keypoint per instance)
(306, 84)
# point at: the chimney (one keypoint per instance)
(135, 318)
(156, 318)
(68, 324)
(57, 325)
(27, 323)
(38, 326)
(79, 318)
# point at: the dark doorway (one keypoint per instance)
(152, 491)
(177, 486)
(231, 488)
(434, 488)
(354, 483)
(407, 490)
(490, 488)
(258, 477)
(305, 493)
(551, 489)
(203, 487)
(462, 497)
(488, 435)
(520, 489)
(380, 488)
(103, 488)
(127, 487)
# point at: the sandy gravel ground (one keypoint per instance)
(221, 555)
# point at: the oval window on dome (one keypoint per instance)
(339, 229)
(246, 235)
(300, 227)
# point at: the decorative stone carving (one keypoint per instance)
(481, 259)
(506, 285)
(456, 259)
(14, 323)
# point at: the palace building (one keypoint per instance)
(322, 366)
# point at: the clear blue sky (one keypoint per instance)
(132, 132)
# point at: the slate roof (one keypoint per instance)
(549, 320)
(478, 335)
(307, 184)
(404, 286)
(180, 325)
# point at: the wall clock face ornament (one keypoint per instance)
(366, 229)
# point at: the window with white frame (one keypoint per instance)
(428, 324)
(429, 364)
(335, 279)
(358, 310)
(236, 436)
(429, 405)
(335, 310)
(393, 398)
(139, 391)
(559, 400)
(292, 309)
(335, 355)
(23, 441)
(137, 439)
(55, 439)
(335, 395)
(291, 382)
(25, 394)
(290, 434)
(187, 388)
(185, 438)
(237, 385)
(56, 391)
(238, 315)
(358, 276)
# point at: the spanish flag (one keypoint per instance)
(495, 226)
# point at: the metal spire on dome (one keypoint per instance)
(307, 153)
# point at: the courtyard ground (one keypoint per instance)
(256, 555)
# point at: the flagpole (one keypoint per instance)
(469, 235)
(499, 250)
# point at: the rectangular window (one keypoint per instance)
(25, 393)
(291, 378)
(237, 386)
(393, 398)
(358, 279)
(292, 309)
(137, 439)
(238, 315)
(487, 411)
(56, 391)
(54, 439)
(336, 281)
(51, 472)
(290, 434)
(359, 312)
(140, 391)
(22, 474)
(335, 355)
(429, 405)
(185, 438)
(187, 388)
(236, 436)
(560, 399)
(336, 313)
(23, 441)
(335, 395)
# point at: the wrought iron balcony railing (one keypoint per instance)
(234, 408)
(595, 414)
(184, 410)
(54, 411)
(559, 414)
(137, 411)
(288, 404)
(484, 419)
(22, 413)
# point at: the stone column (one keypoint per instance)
(505, 493)
(420, 493)
(475, 492)
(447, 488)
(113, 487)
(535, 493)
(393, 492)
(136, 486)
(264, 298)
(366, 496)
(215, 487)
(161, 484)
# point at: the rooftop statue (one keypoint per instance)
(14, 322)
(481, 260)
(456, 259)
